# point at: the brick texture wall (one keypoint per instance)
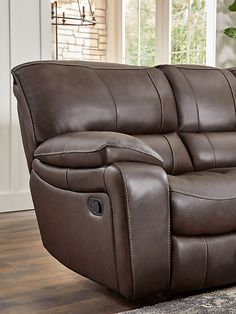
(84, 42)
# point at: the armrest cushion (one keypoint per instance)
(94, 149)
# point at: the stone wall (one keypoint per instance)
(84, 42)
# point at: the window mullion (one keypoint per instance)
(188, 33)
(211, 6)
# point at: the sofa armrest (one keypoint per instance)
(139, 194)
(95, 149)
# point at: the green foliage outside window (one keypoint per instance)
(188, 32)
(231, 31)
(140, 37)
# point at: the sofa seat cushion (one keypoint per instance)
(204, 202)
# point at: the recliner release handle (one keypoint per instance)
(95, 206)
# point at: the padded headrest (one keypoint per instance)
(205, 97)
(82, 96)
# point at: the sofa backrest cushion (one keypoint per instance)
(206, 108)
(74, 96)
(66, 97)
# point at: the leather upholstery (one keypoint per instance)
(211, 150)
(204, 261)
(135, 188)
(74, 248)
(171, 149)
(206, 104)
(154, 150)
(27, 129)
(72, 179)
(110, 105)
(194, 198)
(208, 101)
(94, 149)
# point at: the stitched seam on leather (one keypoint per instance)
(197, 69)
(93, 150)
(220, 198)
(168, 234)
(34, 63)
(193, 95)
(189, 153)
(105, 186)
(213, 151)
(67, 144)
(63, 189)
(205, 263)
(67, 181)
(99, 149)
(112, 97)
(172, 153)
(173, 261)
(161, 102)
(231, 90)
(131, 240)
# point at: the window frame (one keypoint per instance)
(116, 29)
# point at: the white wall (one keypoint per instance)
(25, 36)
(225, 46)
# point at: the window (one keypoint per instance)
(139, 35)
(168, 31)
(188, 31)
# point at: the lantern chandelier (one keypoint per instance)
(86, 16)
(82, 19)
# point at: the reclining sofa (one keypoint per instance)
(133, 171)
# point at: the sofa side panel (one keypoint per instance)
(80, 240)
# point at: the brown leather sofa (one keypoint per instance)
(133, 171)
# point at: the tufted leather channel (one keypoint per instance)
(171, 148)
(156, 148)
(208, 101)
(211, 150)
(207, 113)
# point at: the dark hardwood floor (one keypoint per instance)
(33, 282)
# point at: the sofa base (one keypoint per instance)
(84, 242)
(203, 262)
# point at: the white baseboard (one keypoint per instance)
(15, 201)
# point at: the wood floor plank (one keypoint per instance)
(33, 282)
